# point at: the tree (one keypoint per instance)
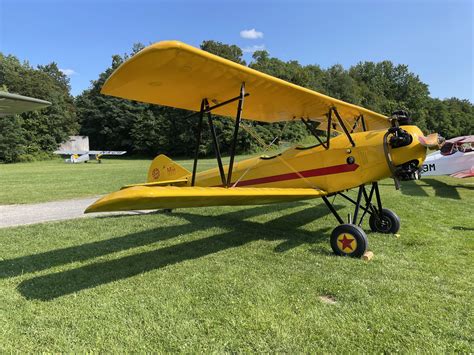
(451, 117)
(385, 88)
(113, 123)
(40, 131)
(231, 52)
(12, 139)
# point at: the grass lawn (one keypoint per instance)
(240, 279)
(55, 180)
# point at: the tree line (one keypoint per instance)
(113, 123)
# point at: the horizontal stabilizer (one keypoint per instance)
(170, 197)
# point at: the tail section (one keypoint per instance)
(163, 168)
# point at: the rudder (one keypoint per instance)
(163, 168)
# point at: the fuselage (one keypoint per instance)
(338, 168)
(438, 164)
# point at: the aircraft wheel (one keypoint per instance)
(349, 240)
(389, 223)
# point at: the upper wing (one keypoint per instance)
(175, 74)
(71, 152)
(11, 104)
(107, 152)
(157, 197)
(461, 140)
(91, 152)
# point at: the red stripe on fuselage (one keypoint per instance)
(336, 169)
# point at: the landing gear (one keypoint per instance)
(385, 222)
(349, 240)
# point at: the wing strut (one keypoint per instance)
(205, 108)
(216, 143)
(328, 139)
(198, 142)
(341, 123)
(238, 118)
(360, 118)
(313, 131)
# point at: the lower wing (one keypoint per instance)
(169, 197)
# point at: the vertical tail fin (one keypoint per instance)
(163, 168)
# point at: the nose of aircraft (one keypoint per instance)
(406, 159)
(415, 151)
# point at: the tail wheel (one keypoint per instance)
(349, 240)
(388, 223)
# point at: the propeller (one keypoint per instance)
(433, 140)
(397, 137)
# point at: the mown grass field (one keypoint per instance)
(55, 180)
(259, 278)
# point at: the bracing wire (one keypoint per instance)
(264, 145)
(260, 141)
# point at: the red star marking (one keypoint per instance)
(346, 243)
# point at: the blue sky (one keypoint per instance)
(434, 38)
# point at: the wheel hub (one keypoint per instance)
(346, 243)
(383, 224)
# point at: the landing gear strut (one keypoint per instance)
(349, 239)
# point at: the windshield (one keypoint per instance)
(448, 149)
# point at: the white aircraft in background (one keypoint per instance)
(76, 156)
(456, 158)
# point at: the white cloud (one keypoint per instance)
(68, 72)
(254, 48)
(251, 34)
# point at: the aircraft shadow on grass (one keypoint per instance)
(441, 189)
(51, 286)
(459, 228)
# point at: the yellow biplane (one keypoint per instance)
(369, 146)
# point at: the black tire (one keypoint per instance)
(349, 240)
(389, 223)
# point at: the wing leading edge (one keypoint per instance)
(90, 152)
(12, 104)
(169, 197)
(172, 73)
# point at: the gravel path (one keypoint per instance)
(17, 215)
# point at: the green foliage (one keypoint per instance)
(35, 134)
(451, 117)
(113, 123)
(385, 88)
(231, 52)
(12, 141)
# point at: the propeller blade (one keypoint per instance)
(433, 140)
